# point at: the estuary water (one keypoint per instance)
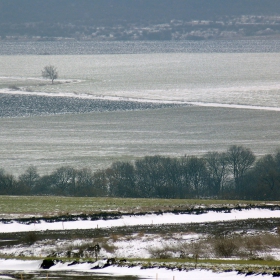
(235, 74)
(130, 47)
(233, 88)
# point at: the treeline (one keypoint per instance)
(234, 174)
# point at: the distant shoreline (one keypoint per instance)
(98, 47)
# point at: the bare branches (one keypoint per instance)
(50, 72)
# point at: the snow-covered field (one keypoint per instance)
(133, 246)
(150, 219)
(113, 271)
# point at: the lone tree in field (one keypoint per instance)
(50, 72)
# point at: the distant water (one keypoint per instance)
(19, 105)
(89, 48)
(237, 74)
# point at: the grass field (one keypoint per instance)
(21, 206)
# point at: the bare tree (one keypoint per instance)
(218, 170)
(30, 177)
(240, 160)
(196, 173)
(7, 182)
(50, 72)
(64, 179)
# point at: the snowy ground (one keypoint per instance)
(133, 246)
(154, 273)
(137, 245)
(150, 219)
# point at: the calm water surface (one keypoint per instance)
(89, 48)
(235, 78)
(236, 74)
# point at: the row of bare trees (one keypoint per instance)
(234, 173)
(214, 175)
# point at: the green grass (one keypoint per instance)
(213, 261)
(53, 205)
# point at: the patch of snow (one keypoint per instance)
(164, 274)
(89, 96)
(235, 106)
(150, 219)
(134, 99)
(151, 273)
(134, 246)
(19, 265)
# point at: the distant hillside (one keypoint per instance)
(138, 19)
